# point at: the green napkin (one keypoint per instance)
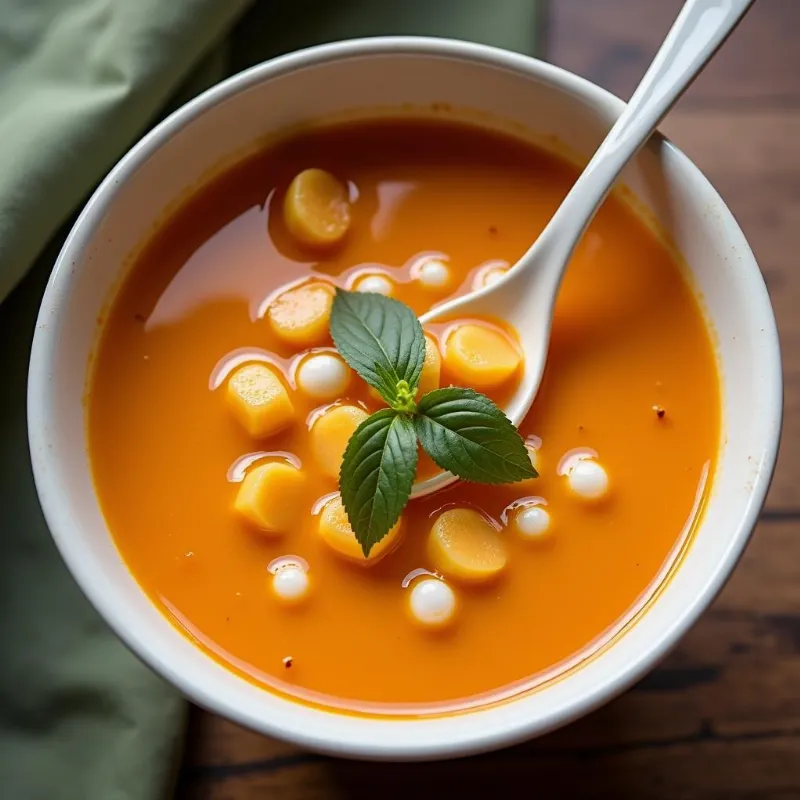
(80, 81)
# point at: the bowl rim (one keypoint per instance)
(461, 739)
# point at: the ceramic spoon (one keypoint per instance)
(525, 296)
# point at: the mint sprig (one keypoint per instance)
(382, 340)
(463, 431)
(377, 474)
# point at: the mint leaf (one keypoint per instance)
(380, 338)
(467, 434)
(377, 473)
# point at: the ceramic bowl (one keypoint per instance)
(378, 76)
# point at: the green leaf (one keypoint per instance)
(467, 434)
(380, 338)
(377, 474)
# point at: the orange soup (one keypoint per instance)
(218, 412)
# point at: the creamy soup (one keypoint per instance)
(219, 411)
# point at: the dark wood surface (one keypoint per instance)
(721, 717)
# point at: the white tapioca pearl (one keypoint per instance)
(432, 603)
(323, 376)
(588, 479)
(290, 583)
(532, 522)
(489, 276)
(434, 274)
(377, 284)
(493, 276)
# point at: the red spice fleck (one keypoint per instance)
(287, 662)
(660, 412)
(492, 230)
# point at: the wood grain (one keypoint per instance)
(755, 769)
(611, 42)
(731, 686)
(753, 159)
(720, 718)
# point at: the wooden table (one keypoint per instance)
(721, 717)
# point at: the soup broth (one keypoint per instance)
(630, 396)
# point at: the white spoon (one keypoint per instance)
(525, 296)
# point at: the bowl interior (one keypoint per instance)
(480, 84)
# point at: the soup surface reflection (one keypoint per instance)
(624, 431)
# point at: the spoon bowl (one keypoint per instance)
(525, 296)
(521, 299)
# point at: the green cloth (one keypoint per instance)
(80, 81)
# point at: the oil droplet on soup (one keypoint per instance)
(243, 275)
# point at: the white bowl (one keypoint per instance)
(389, 73)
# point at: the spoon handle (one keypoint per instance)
(701, 27)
